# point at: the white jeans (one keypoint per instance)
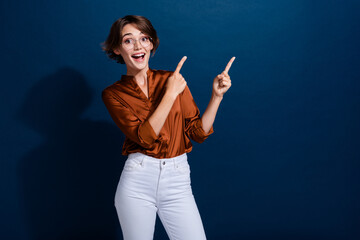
(148, 186)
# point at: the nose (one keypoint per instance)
(137, 44)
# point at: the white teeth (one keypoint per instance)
(138, 55)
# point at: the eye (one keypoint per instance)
(128, 41)
(145, 39)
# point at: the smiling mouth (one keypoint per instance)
(138, 56)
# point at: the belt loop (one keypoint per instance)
(142, 160)
(174, 162)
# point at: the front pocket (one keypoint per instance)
(132, 164)
(183, 168)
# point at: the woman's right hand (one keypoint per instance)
(176, 82)
(174, 86)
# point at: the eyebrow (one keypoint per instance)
(130, 34)
(126, 34)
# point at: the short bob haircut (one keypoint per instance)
(114, 39)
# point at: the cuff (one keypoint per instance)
(146, 133)
(200, 131)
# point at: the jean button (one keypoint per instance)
(163, 163)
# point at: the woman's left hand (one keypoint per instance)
(222, 82)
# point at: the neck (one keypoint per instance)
(138, 74)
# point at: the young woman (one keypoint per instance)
(157, 114)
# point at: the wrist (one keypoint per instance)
(170, 96)
(216, 98)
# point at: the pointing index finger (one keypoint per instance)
(179, 66)
(228, 66)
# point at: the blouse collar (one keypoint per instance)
(130, 78)
(129, 81)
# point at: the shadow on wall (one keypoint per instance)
(67, 184)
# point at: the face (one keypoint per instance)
(132, 49)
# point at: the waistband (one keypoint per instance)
(149, 158)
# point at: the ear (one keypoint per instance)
(116, 51)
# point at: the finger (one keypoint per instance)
(225, 84)
(226, 78)
(228, 66)
(220, 76)
(226, 81)
(179, 66)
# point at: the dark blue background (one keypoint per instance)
(283, 162)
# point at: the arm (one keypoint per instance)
(208, 116)
(221, 84)
(175, 85)
(193, 124)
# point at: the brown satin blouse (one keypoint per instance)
(130, 109)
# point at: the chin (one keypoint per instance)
(139, 65)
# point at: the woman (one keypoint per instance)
(157, 114)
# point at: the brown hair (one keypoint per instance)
(114, 39)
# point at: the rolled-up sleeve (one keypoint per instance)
(193, 123)
(140, 132)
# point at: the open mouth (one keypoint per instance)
(138, 56)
